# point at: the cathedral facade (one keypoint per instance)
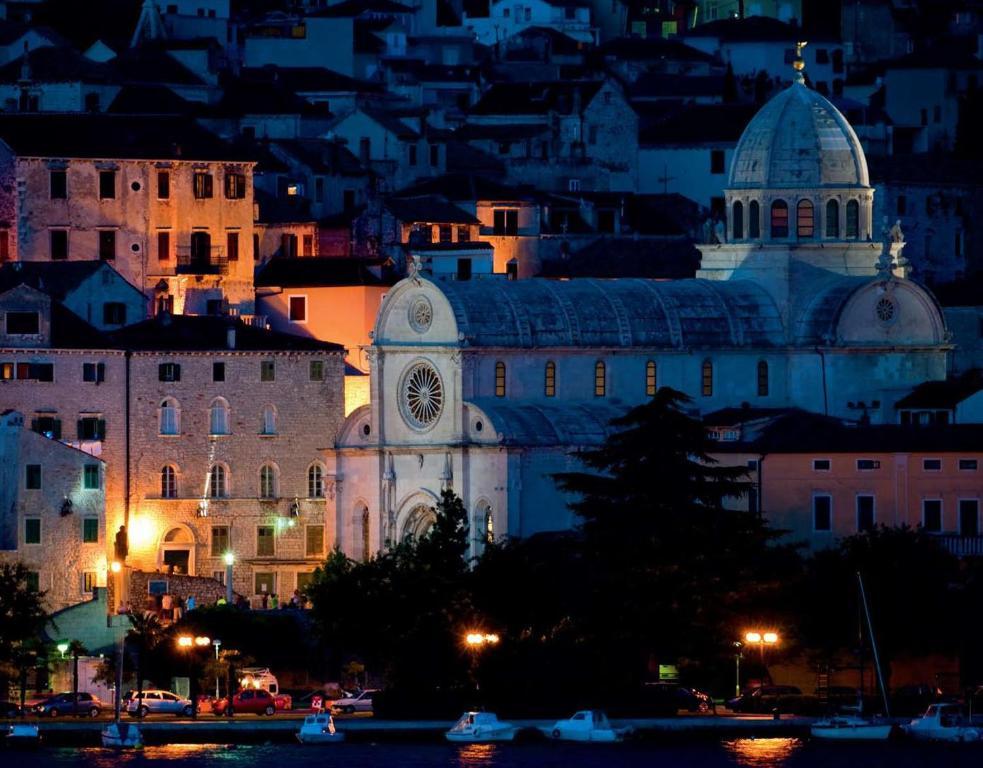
(491, 386)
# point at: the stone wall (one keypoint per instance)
(206, 591)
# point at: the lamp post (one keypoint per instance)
(229, 560)
(737, 667)
(218, 644)
(188, 644)
(761, 639)
(477, 642)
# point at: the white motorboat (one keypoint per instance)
(319, 729)
(479, 727)
(850, 728)
(587, 725)
(943, 722)
(118, 735)
(23, 734)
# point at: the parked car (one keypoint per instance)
(158, 702)
(767, 698)
(666, 699)
(252, 701)
(359, 702)
(9, 709)
(64, 704)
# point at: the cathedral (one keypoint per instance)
(491, 386)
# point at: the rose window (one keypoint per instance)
(421, 314)
(422, 395)
(885, 310)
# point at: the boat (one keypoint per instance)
(943, 722)
(119, 735)
(319, 729)
(480, 727)
(856, 727)
(850, 728)
(587, 725)
(23, 734)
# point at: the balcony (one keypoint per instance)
(962, 546)
(204, 260)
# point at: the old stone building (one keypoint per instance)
(228, 429)
(212, 432)
(52, 511)
(169, 205)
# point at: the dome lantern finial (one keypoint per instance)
(799, 64)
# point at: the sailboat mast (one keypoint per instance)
(873, 644)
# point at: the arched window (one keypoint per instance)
(852, 219)
(315, 482)
(550, 383)
(762, 378)
(650, 378)
(779, 219)
(269, 420)
(366, 546)
(218, 422)
(168, 482)
(833, 219)
(267, 482)
(600, 379)
(805, 219)
(482, 528)
(499, 379)
(706, 379)
(218, 482)
(170, 417)
(737, 220)
(753, 220)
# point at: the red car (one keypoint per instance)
(254, 701)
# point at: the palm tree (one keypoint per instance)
(76, 649)
(145, 633)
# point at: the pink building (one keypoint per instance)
(822, 479)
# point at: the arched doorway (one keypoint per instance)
(177, 552)
(419, 521)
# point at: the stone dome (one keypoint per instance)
(798, 140)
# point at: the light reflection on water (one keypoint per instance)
(476, 755)
(762, 753)
(100, 757)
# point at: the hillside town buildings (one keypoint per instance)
(270, 280)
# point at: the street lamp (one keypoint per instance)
(761, 639)
(217, 644)
(229, 559)
(478, 639)
(476, 642)
(189, 643)
(62, 648)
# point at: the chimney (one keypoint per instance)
(230, 337)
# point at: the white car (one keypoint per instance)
(360, 702)
(159, 703)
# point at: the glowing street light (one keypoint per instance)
(116, 566)
(187, 643)
(477, 639)
(761, 639)
(62, 648)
